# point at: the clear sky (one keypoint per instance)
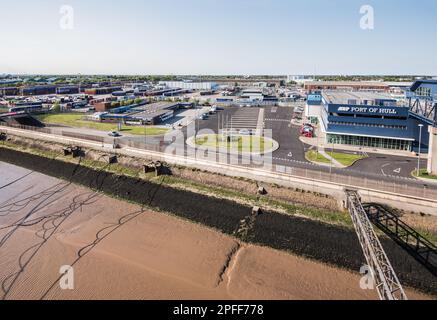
(218, 37)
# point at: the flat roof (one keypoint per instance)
(153, 110)
(347, 83)
(418, 83)
(339, 97)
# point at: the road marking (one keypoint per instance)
(278, 120)
(398, 171)
(345, 169)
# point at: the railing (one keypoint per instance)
(412, 241)
(386, 282)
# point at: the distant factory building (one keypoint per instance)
(38, 90)
(256, 97)
(299, 79)
(9, 91)
(154, 113)
(190, 85)
(102, 106)
(67, 90)
(312, 86)
(150, 114)
(103, 90)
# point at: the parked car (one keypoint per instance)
(213, 110)
(306, 129)
(114, 134)
(308, 134)
(245, 132)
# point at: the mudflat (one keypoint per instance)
(119, 250)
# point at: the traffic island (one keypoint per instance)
(425, 176)
(336, 159)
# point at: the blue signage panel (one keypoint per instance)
(369, 110)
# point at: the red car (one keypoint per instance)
(308, 134)
(305, 128)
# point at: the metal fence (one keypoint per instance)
(399, 186)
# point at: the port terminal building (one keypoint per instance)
(365, 119)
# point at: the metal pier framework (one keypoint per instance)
(421, 249)
(386, 282)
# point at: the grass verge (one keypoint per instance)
(314, 156)
(346, 159)
(77, 121)
(424, 174)
(242, 143)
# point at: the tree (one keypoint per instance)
(56, 107)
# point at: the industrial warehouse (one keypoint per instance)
(150, 114)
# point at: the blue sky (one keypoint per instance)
(219, 37)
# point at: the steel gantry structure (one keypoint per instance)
(422, 100)
(386, 282)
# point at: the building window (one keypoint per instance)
(381, 143)
(424, 92)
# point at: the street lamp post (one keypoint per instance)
(420, 144)
(331, 159)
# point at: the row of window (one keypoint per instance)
(381, 143)
(424, 92)
(372, 125)
(370, 116)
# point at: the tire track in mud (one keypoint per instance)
(48, 228)
(331, 244)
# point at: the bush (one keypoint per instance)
(56, 107)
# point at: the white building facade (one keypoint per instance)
(189, 85)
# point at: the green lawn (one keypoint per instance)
(346, 159)
(242, 144)
(314, 156)
(424, 174)
(76, 120)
